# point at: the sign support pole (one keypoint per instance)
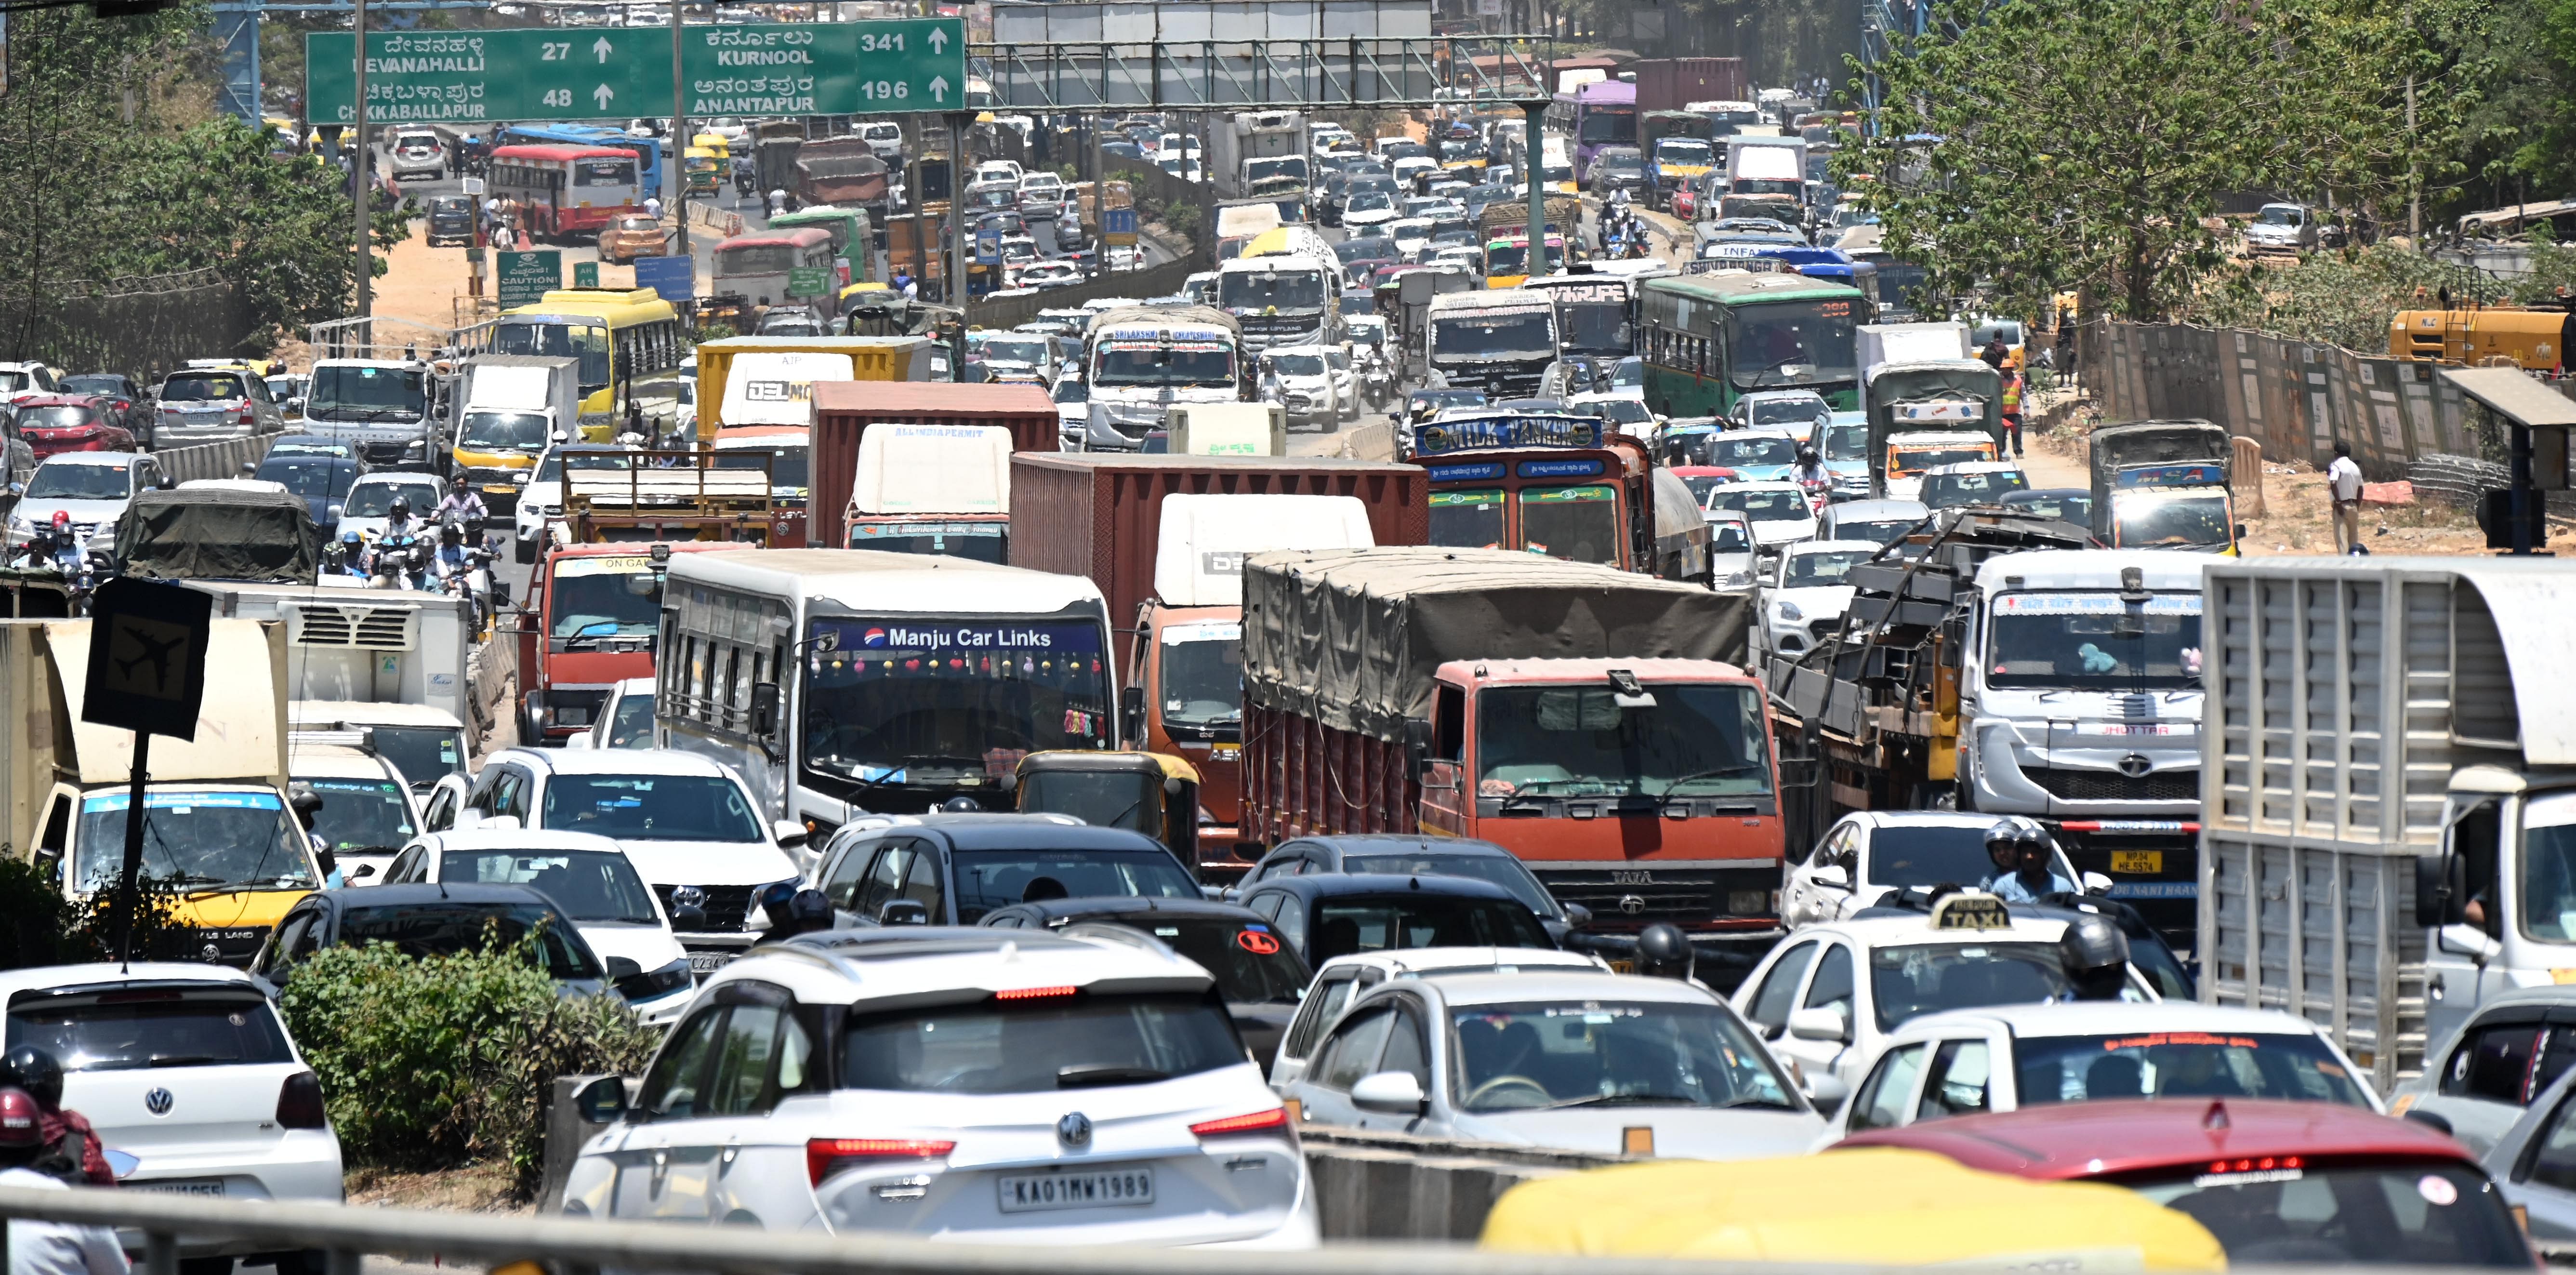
(129, 883)
(956, 235)
(359, 184)
(679, 144)
(1535, 166)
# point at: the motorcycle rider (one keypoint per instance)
(460, 501)
(52, 545)
(1810, 472)
(349, 556)
(398, 521)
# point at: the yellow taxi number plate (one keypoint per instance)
(2137, 861)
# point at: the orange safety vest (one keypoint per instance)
(2012, 397)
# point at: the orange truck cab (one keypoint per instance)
(593, 612)
(1596, 723)
(1547, 484)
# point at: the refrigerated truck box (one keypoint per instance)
(2348, 700)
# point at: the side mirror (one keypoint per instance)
(1832, 876)
(1131, 711)
(2240, 531)
(1395, 1092)
(2441, 884)
(2096, 883)
(168, 483)
(903, 912)
(621, 968)
(1577, 917)
(578, 743)
(2429, 1119)
(602, 1101)
(1818, 1023)
(789, 833)
(1826, 1090)
(362, 872)
(764, 708)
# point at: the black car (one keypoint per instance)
(951, 869)
(1331, 915)
(2065, 504)
(1616, 167)
(126, 404)
(321, 481)
(432, 920)
(1260, 978)
(1366, 248)
(1402, 854)
(451, 220)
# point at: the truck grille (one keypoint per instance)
(2104, 785)
(726, 906)
(1633, 898)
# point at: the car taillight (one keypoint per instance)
(827, 1156)
(299, 1103)
(1256, 1122)
(246, 418)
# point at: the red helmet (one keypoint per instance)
(20, 1125)
(62, 520)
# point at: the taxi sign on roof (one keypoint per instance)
(1970, 912)
(1503, 429)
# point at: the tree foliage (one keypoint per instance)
(2057, 144)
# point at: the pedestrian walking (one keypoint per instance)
(653, 208)
(2012, 410)
(2343, 487)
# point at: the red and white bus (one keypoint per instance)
(567, 190)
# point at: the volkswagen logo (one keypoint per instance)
(1074, 1130)
(2135, 765)
(158, 1102)
(1632, 904)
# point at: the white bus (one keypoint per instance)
(842, 681)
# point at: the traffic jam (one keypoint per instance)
(1637, 709)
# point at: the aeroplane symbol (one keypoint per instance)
(158, 652)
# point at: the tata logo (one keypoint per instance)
(2135, 765)
(1074, 1130)
(873, 638)
(1632, 878)
(1633, 905)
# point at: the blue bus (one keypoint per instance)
(648, 150)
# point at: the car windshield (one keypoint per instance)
(516, 431)
(989, 879)
(1206, 365)
(244, 840)
(56, 416)
(1253, 291)
(891, 701)
(1738, 450)
(202, 387)
(1038, 1044)
(449, 926)
(79, 482)
(2277, 215)
(1780, 343)
(2074, 509)
(1788, 411)
(1914, 460)
(1941, 491)
(787, 465)
(424, 754)
(1621, 163)
(2152, 520)
(589, 885)
(2407, 1213)
(550, 467)
(344, 393)
(314, 476)
(1883, 532)
(151, 1028)
(362, 816)
(1512, 258)
(2185, 1064)
(1501, 870)
(1469, 337)
(632, 724)
(1729, 536)
(651, 808)
(1531, 1056)
(1297, 364)
(1926, 978)
(2095, 641)
(1762, 504)
(1829, 566)
(113, 387)
(376, 500)
(1251, 965)
(1370, 924)
(1015, 351)
(1571, 741)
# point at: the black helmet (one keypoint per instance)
(35, 1071)
(2005, 840)
(401, 508)
(456, 479)
(808, 910)
(1663, 951)
(2096, 956)
(1806, 455)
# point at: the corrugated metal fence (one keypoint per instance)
(2294, 397)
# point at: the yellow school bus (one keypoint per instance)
(621, 335)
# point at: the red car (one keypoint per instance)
(2307, 1182)
(1686, 199)
(70, 423)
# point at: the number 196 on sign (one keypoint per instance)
(884, 90)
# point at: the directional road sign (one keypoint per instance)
(558, 73)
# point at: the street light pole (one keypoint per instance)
(360, 186)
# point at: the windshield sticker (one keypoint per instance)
(1483, 471)
(618, 564)
(1939, 410)
(1257, 943)
(2437, 1190)
(1204, 631)
(1559, 468)
(2093, 604)
(2155, 1040)
(186, 801)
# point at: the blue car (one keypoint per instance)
(321, 481)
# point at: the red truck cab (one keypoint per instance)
(593, 614)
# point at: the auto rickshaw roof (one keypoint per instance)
(1162, 765)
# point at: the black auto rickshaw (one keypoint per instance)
(1153, 793)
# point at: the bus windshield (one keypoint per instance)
(1485, 336)
(1788, 343)
(927, 701)
(1580, 524)
(755, 259)
(1605, 125)
(1248, 290)
(559, 338)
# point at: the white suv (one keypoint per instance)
(188, 1070)
(985, 1086)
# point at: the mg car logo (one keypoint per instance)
(2136, 766)
(1074, 1130)
(158, 1102)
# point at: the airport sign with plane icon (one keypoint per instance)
(147, 657)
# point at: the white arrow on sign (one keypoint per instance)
(939, 88)
(938, 40)
(603, 96)
(601, 48)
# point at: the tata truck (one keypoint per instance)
(1929, 413)
(509, 409)
(1140, 361)
(1500, 341)
(1285, 289)
(385, 408)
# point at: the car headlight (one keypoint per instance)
(1789, 611)
(654, 984)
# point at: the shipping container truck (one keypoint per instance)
(845, 411)
(219, 822)
(1672, 84)
(1597, 724)
(2388, 792)
(1164, 538)
(1250, 151)
(933, 489)
(769, 380)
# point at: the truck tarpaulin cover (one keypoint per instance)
(1934, 382)
(217, 534)
(1350, 637)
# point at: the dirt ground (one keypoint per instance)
(475, 1188)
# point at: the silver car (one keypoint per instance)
(2481, 1081)
(213, 405)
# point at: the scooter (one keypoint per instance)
(402, 562)
(1377, 381)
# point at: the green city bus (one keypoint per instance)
(1712, 339)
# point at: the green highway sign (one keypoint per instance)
(570, 73)
(524, 278)
(585, 274)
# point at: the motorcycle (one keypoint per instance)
(1377, 381)
(401, 562)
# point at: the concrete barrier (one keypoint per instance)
(214, 460)
(1368, 442)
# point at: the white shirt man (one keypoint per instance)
(2343, 487)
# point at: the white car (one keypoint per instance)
(1299, 378)
(1057, 273)
(1870, 852)
(1733, 565)
(1456, 256)
(625, 718)
(1072, 397)
(367, 812)
(541, 499)
(885, 138)
(1780, 512)
(1625, 414)
(1372, 208)
(1345, 976)
(371, 500)
(1831, 994)
(1346, 380)
(188, 1069)
(2006, 1057)
(1041, 190)
(1976, 482)
(982, 1086)
(1409, 234)
(1803, 594)
(1407, 168)
(1576, 1060)
(93, 487)
(416, 155)
(592, 880)
(1798, 413)
(997, 171)
(688, 823)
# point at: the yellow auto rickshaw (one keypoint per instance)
(1153, 793)
(706, 170)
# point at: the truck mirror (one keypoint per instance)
(2441, 882)
(764, 708)
(1171, 786)
(1131, 710)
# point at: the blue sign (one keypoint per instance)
(1559, 468)
(1487, 471)
(988, 250)
(673, 278)
(2200, 475)
(1118, 221)
(1504, 429)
